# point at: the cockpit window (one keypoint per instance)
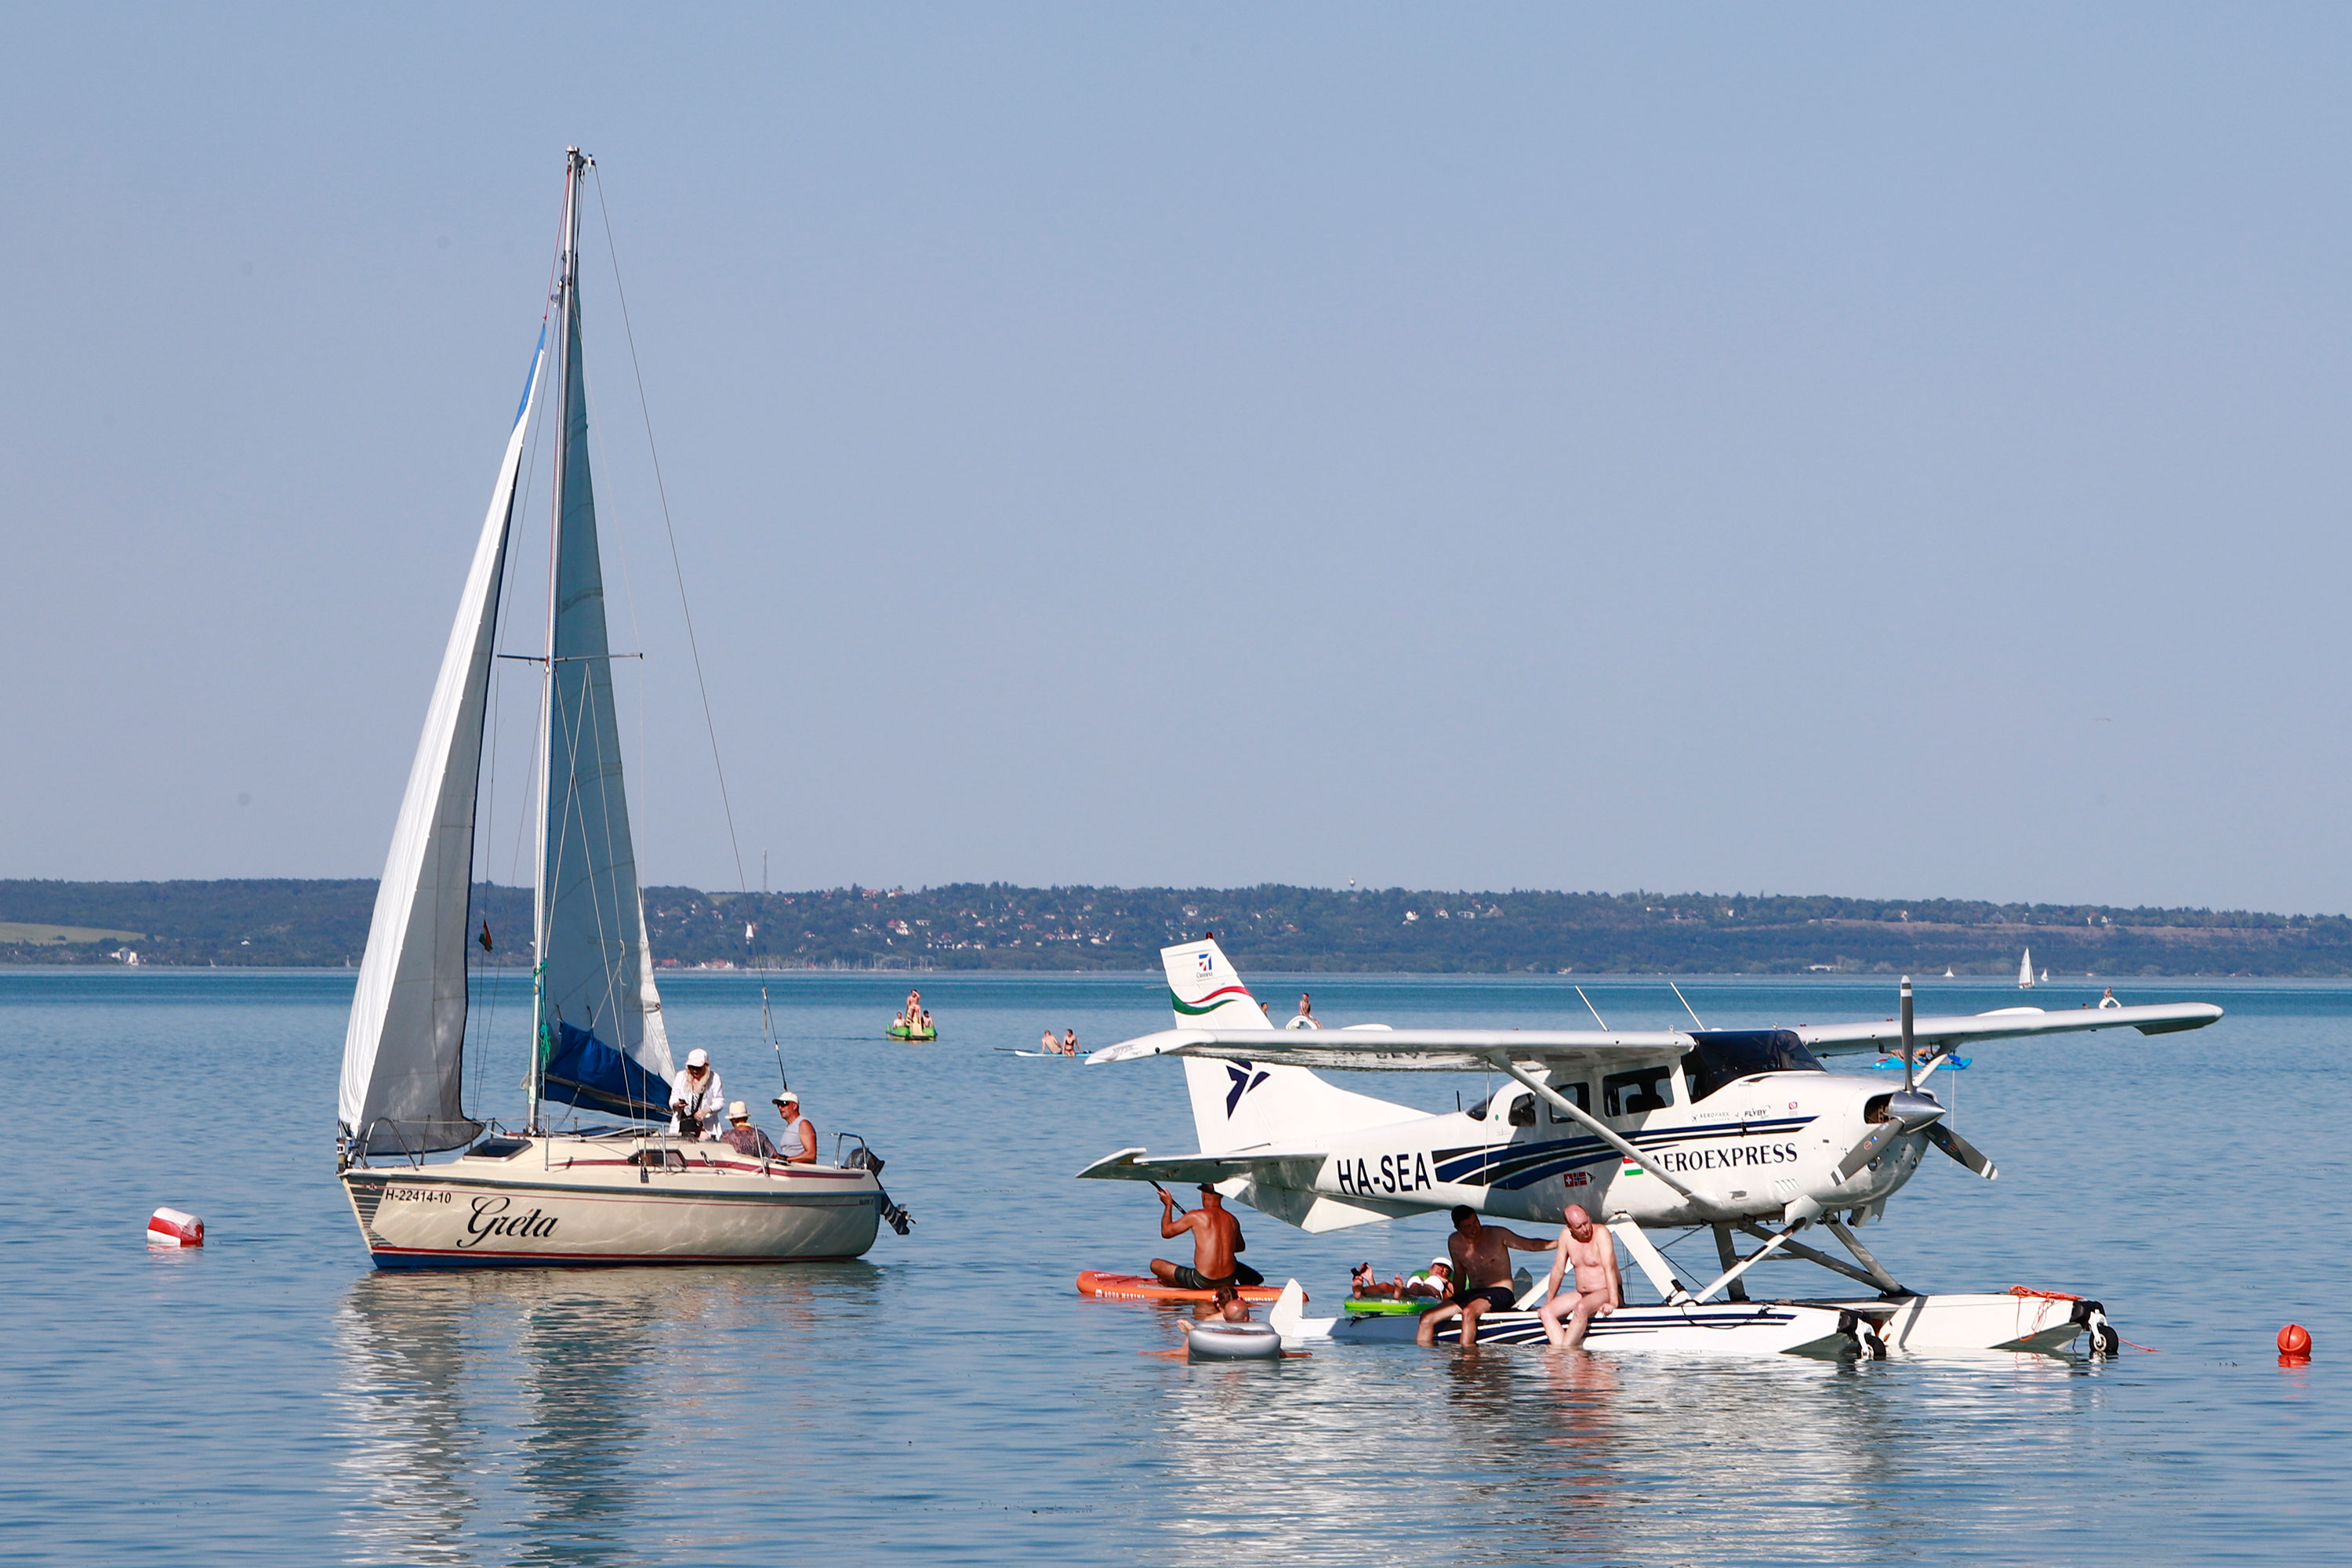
(1643, 1089)
(1523, 1111)
(1579, 1094)
(1725, 1056)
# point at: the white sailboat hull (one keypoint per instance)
(568, 1203)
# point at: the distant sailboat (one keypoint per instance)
(1948, 972)
(627, 1191)
(2025, 971)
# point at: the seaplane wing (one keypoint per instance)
(2005, 1023)
(1404, 1050)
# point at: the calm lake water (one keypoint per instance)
(270, 1398)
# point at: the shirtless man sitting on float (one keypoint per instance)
(1481, 1261)
(1216, 1237)
(1591, 1253)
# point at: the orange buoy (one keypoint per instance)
(2294, 1340)
(170, 1227)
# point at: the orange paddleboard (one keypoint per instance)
(1144, 1287)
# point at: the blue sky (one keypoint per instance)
(1857, 449)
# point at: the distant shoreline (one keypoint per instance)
(323, 924)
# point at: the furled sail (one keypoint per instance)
(602, 1045)
(403, 1050)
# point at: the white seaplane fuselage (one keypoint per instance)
(561, 1201)
(1752, 1151)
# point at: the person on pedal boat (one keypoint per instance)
(746, 1139)
(695, 1094)
(800, 1133)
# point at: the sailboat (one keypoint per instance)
(625, 1191)
(2025, 971)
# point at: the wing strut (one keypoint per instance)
(1503, 1060)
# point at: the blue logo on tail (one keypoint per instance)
(1243, 1083)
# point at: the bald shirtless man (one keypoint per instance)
(1591, 1253)
(1481, 1261)
(1216, 1237)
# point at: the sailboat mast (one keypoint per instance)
(567, 292)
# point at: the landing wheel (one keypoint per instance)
(1857, 1329)
(2107, 1339)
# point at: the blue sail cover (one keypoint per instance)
(583, 1071)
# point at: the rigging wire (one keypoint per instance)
(710, 724)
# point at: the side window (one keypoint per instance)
(1579, 1092)
(1523, 1111)
(1632, 1093)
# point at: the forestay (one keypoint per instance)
(403, 1050)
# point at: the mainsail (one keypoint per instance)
(601, 1042)
(403, 1050)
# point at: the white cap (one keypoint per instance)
(1441, 1261)
(788, 1097)
(736, 1112)
(697, 1058)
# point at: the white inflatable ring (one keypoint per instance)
(1216, 1339)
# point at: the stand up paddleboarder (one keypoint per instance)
(1216, 1238)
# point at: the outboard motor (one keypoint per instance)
(865, 1159)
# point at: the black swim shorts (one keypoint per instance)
(1190, 1279)
(1499, 1297)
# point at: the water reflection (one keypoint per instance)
(547, 1407)
(1543, 1455)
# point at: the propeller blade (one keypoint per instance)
(1874, 1142)
(1909, 1083)
(1960, 1149)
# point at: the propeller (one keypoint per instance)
(1912, 1110)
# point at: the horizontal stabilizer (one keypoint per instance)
(1292, 1168)
(1278, 1183)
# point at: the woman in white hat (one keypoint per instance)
(694, 1093)
(799, 1141)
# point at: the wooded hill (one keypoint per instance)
(998, 926)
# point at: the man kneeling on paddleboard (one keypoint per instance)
(1216, 1237)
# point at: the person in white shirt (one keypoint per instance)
(695, 1092)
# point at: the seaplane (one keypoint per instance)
(1743, 1132)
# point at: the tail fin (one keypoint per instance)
(1205, 991)
(1241, 1105)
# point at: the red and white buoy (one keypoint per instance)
(170, 1227)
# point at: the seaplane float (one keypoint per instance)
(1743, 1133)
(628, 1189)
